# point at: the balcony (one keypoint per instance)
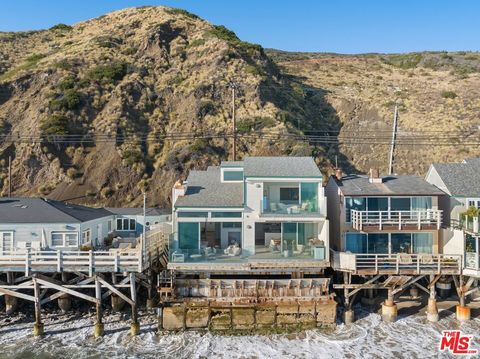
(398, 263)
(427, 219)
(468, 223)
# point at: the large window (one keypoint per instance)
(389, 243)
(188, 235)
(356, 242)
(358, 203)
(126, 224)
(64, 239)
(232, 175)
(193, 214)
(289, 195)
(400, 204)
(378, 243)
(309, 194)
(6, 241)
(86, 236)
(377, 203)
(226, 214)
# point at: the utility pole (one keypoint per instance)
(234, 87)
(9, 176)
(392, 144)
(144, 239)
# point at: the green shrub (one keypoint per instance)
(404, 61)
(67, 102)
(34, 58)
(131, 156)
(246, 125)
(199, 145)
(176, 11)
(63, 64)
(222, 33)
(61, 27)
(66, 83)
(55, 125)
(109, 73)
(449, 94)
(196, 42)
(205, 108)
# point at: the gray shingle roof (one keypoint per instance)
(357, 185)
(38, 210)
(138, 211)
(461, 179)
(205, 189)
(281, 167)
(231, 164)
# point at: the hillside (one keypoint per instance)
(96, 112)
(437, 93)
(99, 111)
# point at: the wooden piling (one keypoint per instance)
(134, 327)
(99, 328)
(38, 326)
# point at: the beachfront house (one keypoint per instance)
(461, 181)
(262, 212)
(39, 223)
(384, 223)
(129, 222)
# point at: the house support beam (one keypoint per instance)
(389, 308)
(99, 327)
(64, 300)
(462, 310)
(135, 326)
(348, 314)
(11, 302)
(432, 310)
(38, 326)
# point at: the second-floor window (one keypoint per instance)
(125, 224)
(64, 239)
(473, 202)
(289, 195)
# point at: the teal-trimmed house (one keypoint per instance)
(262, 212)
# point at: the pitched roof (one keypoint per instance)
(358, 185)
(39, 210)
(461, 179)
(138, 211)
(281, 167)
(205, 189)
(231, 164)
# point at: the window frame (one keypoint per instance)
(87, 235)
(126, 224)
(64, 239)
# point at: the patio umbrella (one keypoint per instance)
(44, 239)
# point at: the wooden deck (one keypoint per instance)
(134, 260)
(398, 264)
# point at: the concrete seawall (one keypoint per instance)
(289, 315)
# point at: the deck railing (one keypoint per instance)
(124, 260)
(398, 219)
(399, 263)
(468, 223)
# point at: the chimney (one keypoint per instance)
(338, 174)
(374, 176)
(179, 189)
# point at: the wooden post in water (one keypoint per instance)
(99, 328)
(134, 327)
(38, 326)
(10, 301)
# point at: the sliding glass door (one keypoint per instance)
(385, 243)
(189, 236)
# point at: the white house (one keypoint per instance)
(262, 209)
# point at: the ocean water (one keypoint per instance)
(70, 336)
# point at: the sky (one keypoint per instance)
(342, 26)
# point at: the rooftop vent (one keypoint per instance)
(374, 176)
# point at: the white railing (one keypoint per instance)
(118, 260)
(398, 219)
(397, 263)
(156, 243)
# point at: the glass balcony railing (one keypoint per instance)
(469, 223)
